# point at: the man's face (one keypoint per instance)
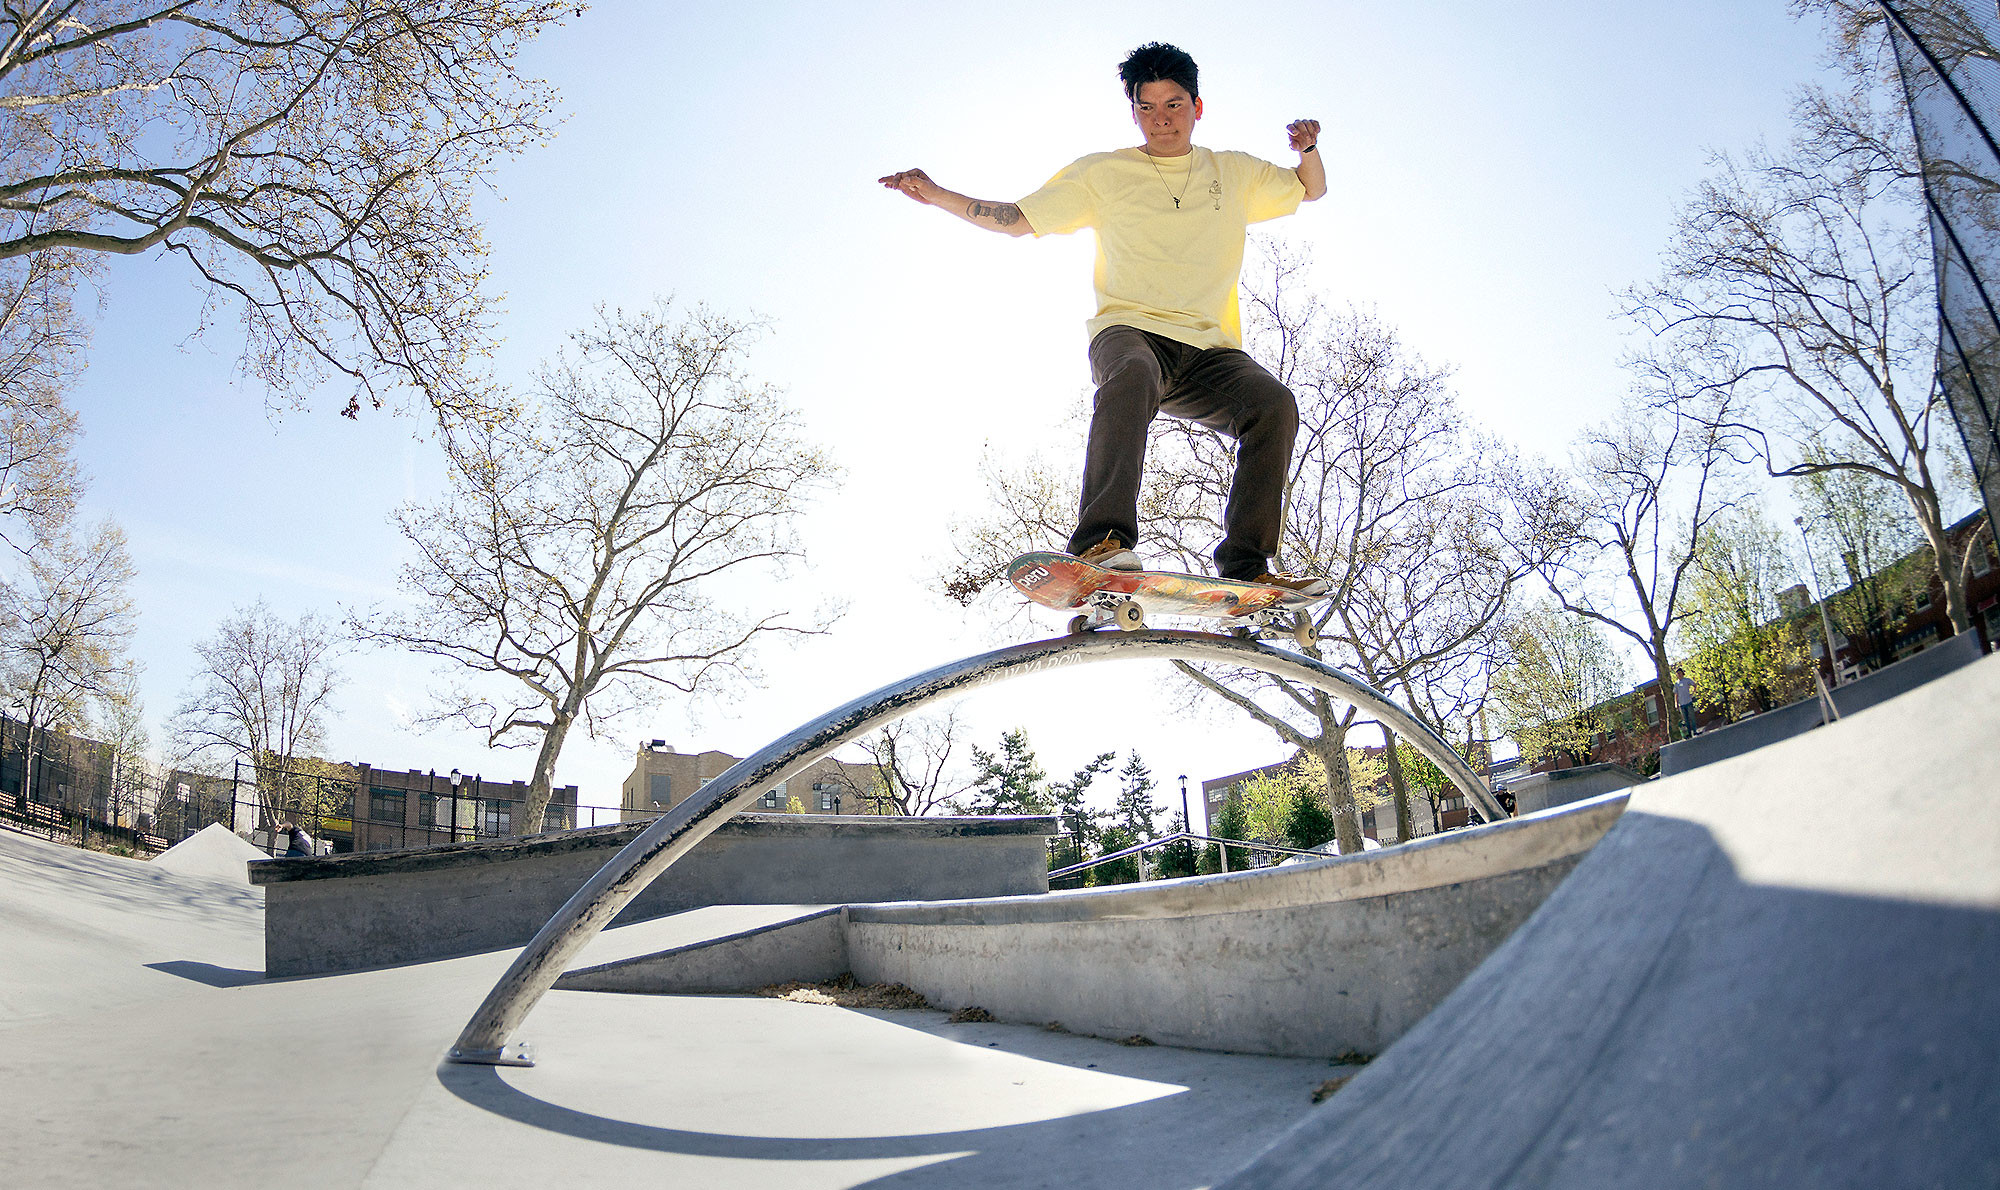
(1166, 113)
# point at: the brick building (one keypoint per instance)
(421, 807)
(663, 777)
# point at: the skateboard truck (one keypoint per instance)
(1126, 614)
(1106, 609)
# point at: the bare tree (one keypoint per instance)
(1647, 487)
(65, 626)
(121, 727)
(263, 695)
(1404, 509)
(42, 340)
(312, 161)
(1423, 526)
(1797, 310)
(578, 554)
(911, 769)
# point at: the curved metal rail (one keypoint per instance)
(486, 1037)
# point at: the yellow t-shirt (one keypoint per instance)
(1166, 269)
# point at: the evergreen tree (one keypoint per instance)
(1118, 871)
(1177, 858)
(1135, 810)
(1308, 823)
(1230, 824)
(1010, 783)
(1067, 797)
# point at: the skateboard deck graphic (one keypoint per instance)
(1126, 597)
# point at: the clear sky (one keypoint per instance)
(1497, 172)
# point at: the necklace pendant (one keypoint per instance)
(1177, 202)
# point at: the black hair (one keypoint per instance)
(1154, 62)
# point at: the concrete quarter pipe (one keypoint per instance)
(1780, 970)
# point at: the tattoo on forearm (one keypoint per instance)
(1006, 214)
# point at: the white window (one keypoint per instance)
(826, 795)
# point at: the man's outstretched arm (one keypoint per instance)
(1003, 217)
(1305, 142)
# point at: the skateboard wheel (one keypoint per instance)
(1129, 616)
(1243, 632)
(1303, 631)
(1078, 625)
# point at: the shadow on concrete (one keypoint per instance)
(209, 973)
(1661, 1021)
(1140, 1146)
(130, 887)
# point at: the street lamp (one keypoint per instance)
(1186, 844)
(457, 779)
(1825, 622)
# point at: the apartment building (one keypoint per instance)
(664, 776)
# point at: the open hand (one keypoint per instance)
(1304, 134)
(913, 182)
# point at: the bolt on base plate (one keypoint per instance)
(514, 1053)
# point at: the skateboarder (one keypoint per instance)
(1170, 220)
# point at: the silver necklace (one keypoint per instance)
(1189, 181)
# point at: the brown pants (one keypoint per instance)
(1140, 375)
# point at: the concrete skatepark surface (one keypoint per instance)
(1777, 970)
(1781, 970)
(141, 1046)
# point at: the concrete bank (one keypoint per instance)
(1560, 787)
(1748, 735)
(1308, 960)
(1754, 981)
(348, 912)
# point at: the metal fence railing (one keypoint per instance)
(74, 791)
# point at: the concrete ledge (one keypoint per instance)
(1908, 674)
(812, 948)
(1307, 960)
(342, 913)
(1560, 787)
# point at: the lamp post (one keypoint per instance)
(457, 779)
(1825, 621)
(1187, 828)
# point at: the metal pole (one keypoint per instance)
(1187, 825)
(1825, 622)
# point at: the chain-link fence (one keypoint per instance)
(78, 791)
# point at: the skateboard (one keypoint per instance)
(1126, 597)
